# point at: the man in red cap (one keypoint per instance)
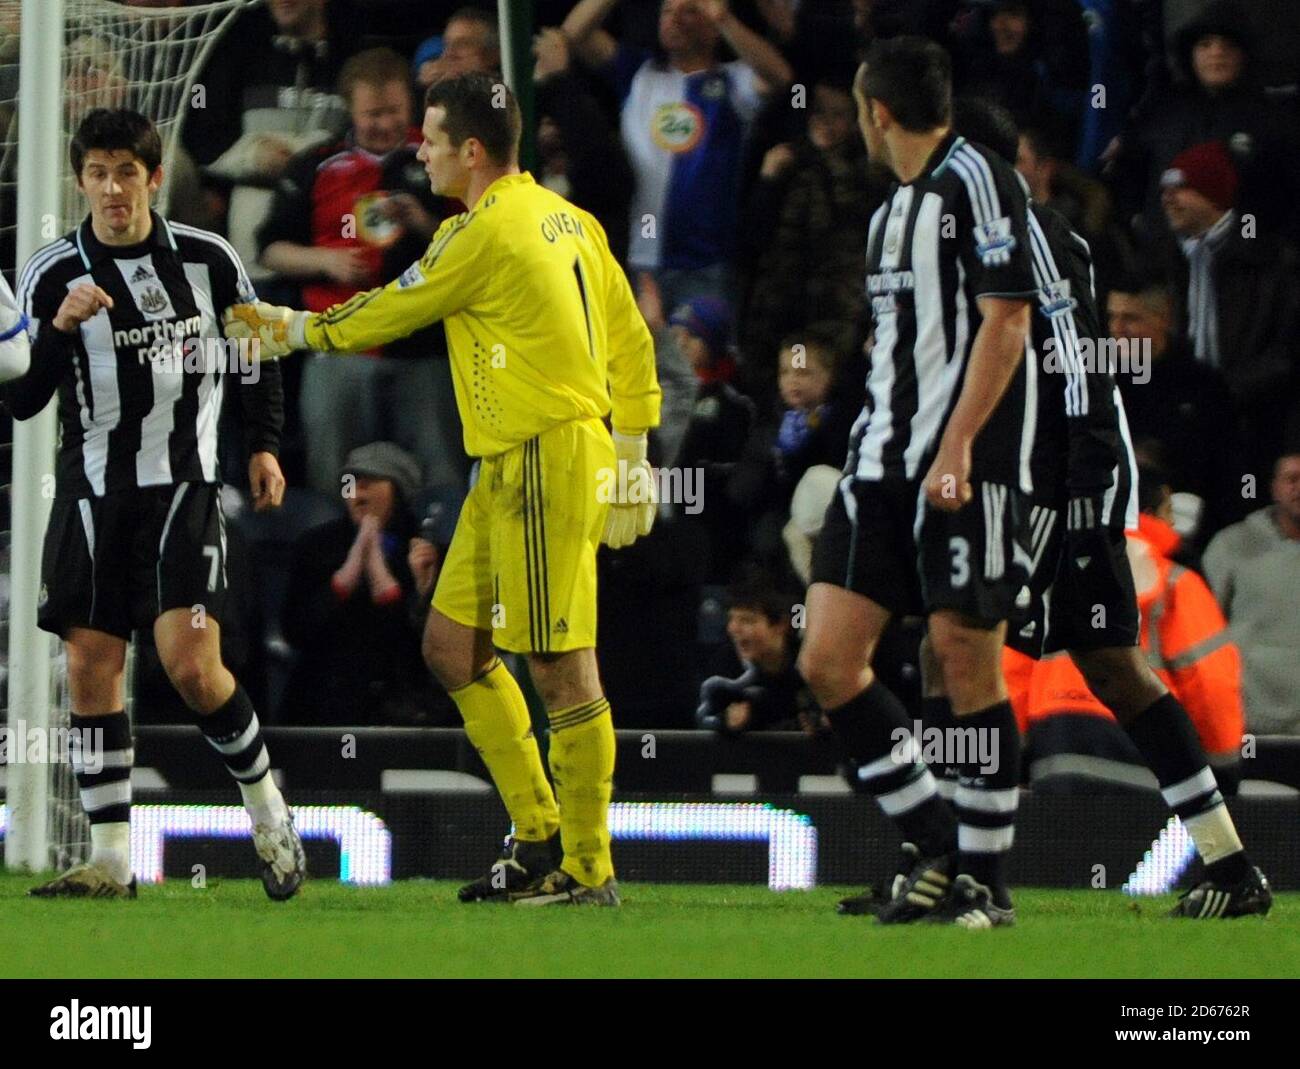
(1198, 192)
(1238, 294)
(1216, 94)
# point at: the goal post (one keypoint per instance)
(40, 95)
(516, 25)
(74, 55)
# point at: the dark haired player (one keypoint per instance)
(931, 499)
(1085, 496)
(125, 315)
(546, 341)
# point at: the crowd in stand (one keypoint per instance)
(717, 144)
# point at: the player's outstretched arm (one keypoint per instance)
(271, 330)
(998, 348)
(453, 272)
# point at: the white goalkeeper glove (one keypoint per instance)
(278, 331)
(634, 501)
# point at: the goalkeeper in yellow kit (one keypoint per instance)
(546, 339)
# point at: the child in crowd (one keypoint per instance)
(809, 432)
(767, 693)
(720, 424)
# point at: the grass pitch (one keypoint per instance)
(417, 928)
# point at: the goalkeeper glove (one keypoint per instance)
(278, 331)
(632, 509)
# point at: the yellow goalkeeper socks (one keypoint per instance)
(496, 721)
(582, 766)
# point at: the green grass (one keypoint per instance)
(416, 928)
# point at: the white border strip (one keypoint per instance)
(365, 845)
(1160, 869)
(790, 836)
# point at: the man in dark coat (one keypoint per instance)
(1237, 299)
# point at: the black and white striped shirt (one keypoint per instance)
(127, 418)
(1083, 451)
(936, 245)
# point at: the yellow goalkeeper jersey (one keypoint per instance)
(540, 319)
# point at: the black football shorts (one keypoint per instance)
(1081, 593)
(884, 541)
(118, 562)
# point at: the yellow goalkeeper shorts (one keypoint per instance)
(522, 561)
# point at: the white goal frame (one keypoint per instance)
(40, 174)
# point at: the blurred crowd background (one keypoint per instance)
(717, 144)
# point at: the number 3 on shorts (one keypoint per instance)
(960, 550)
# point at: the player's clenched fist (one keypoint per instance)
(266, 481)
(278, 331)
(632, 497)
(947, 485)
(82, 302)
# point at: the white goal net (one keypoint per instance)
(103, 54)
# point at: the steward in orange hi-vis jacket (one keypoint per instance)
(1185, 638)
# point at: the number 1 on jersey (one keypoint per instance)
(586, 311)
